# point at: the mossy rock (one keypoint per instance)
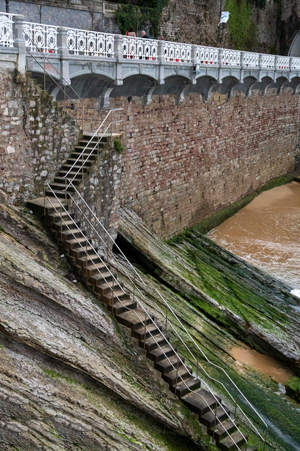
(293, 388)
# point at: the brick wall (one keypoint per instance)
(35, 137)
(184, 162)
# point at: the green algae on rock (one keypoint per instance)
(293, 388)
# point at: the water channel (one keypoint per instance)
(266, 233)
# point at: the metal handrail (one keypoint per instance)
(66, 83)
(145, 325)
(91, 139)
(57, 84)
(182, 326)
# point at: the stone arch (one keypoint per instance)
(86, 86)
(203, 86)
(261, 86)
(174, 84)
(276, 86)
(226, 86)
(245, 86)
(134, 86)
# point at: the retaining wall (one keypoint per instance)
(36, 136)
(184, 162)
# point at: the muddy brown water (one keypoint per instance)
(266, 233)
(260, 362)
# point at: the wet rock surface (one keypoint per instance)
(256, 307)
(222, 302)
(70, 377)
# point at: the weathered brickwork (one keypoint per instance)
(184, 162)
(35, 137)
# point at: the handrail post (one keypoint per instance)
(19, 42)
(63, 51)
(166, 317)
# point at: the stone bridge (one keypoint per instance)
(105, 65)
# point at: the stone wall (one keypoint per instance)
(36, 136)
(64, 15)
(184, 162)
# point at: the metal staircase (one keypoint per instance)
(59, 204)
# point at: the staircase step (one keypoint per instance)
(94, 268)
(201, 401)
(64, 225)
(210, 418)
(66, 234)
(123, 306)
(85, 156)
(60, 186)
(140, 333)
(151, 343)
(186, 386)
(134, 319)
(160, 353)
(71, 160)
(73, 243)
(65, 181)
(174, 376)
(108, 287)
(231, 443)
(84, 251)
(60, 194)
(221, 431)
(83, 262)
(111, 298)
(56, 216)
(100, 276)
(167, 365)
(50, 203)
(72, 175)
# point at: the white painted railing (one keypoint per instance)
(40, 36)
(44, 38)
(207, 56)
(139, 48)
(268, 62)
(231, 58)
(176, 52)
(90, 43)
(6, 30)
(250, 60)
(283, 63)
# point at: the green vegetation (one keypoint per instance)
(118, 146)
(139, 15)
(293, 388)
(241, 26)
(2, 229)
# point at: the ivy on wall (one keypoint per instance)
(141, 14)
(241, 26)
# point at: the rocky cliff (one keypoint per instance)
(70, 376)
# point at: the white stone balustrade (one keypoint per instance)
(207, 56)
(250, 60)
(90, 43)
(6, 30)
(76, 52)
(178, 53)
(139, 48)
(40, 37)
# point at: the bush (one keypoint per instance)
(118, 146)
